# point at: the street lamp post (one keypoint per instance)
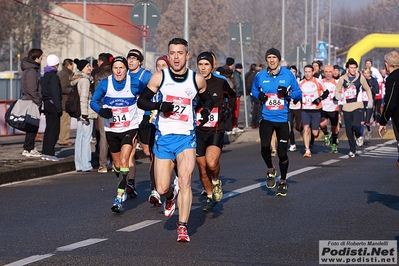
(283, 31)
(329, 35)
(335, 54)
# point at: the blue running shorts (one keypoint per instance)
(169, 146)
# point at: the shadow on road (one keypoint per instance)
(388, 200)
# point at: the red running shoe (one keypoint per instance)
(182, 235)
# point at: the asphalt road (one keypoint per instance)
(66, 219)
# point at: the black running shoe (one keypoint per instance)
(282, 189)
(208, 205)
(131, 189)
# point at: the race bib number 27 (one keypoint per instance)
(181, 108)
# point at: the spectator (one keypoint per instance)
(31, 90)
(229, 64)
(102, 71)
(239, 92)
(249, 79)
(84, 81)
(65, 120)
(52, 99)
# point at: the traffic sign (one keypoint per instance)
(145, 10)
(322, 50)
(235, 33)
(322, 46)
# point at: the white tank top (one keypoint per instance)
(124, 108)
(182, 94)
(328, 104)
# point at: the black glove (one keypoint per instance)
(316, 101)
(145, 123)
(262, 97)
(335, 99)
(325, 94)
(226, 113)
(105, 112)
(165, 107)
(281, 90)
(205, 116)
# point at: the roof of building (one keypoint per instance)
(115, 18)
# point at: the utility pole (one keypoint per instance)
(283, 31)
(186, 24)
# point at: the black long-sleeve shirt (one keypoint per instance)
(391, 99)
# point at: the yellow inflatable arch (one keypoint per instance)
(372, 41)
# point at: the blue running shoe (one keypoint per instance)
(117, 207)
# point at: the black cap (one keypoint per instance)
(119, 59)
(239, 66)
(275, 52)
(81, 63)
(205, 56)
(229, 61)
(336, 67)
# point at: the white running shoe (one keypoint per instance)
(35, 153)
(237, 130)
(169, 206)
(176, 185)
(351, 155)
(50, 158)
(360, 141)
(155, 198)
(292, 147)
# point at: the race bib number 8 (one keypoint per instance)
(213, 118)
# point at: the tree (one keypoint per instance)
(23, 21)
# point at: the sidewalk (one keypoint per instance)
(15, 167)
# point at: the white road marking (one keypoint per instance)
(138, 226)
(29, 260)
(261, 184)
(81, 244)
(330, 162)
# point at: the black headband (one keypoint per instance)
(136, 54)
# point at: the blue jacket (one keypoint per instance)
(276, 108)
